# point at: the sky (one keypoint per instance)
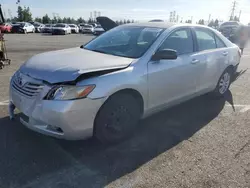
(140, 10)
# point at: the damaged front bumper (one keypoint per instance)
(71, 119)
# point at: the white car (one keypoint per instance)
(61, 28)
(98, 30)
(23, 27)
(86, 28)
(74, 28)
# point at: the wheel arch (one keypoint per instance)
(130, 91)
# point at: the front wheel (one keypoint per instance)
(117, 118)
(223, 83)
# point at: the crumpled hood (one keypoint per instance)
(67, 65)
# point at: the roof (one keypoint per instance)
(153, 24)
(163, 24)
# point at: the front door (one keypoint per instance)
(173, 80)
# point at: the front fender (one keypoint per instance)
(108, 84)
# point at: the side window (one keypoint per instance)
(219, 42)
(180, 40)
(205, 39)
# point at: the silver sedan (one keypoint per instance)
(105, 87)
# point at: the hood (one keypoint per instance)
(106, 23)
(67, 65)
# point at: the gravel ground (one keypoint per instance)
(201, 143)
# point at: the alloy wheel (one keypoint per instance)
(224, 83)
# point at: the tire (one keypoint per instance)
(1, 65)
(224, 83)
(117, 118)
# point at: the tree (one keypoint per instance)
(90, 21)
(19, 14)
(201, 22)
(128, 21)
(46, 19)
(120, 22)
(64, 20)
(37, 19)
(27, 15)
(54, 20)
(59, 20)
(80, 20)
(117, 22)
(24, 14)
(124, 21)
(133, 21)
(188, 21)
(216, 23)
(236, 18)
(211, 24)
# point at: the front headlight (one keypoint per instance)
(69, 92)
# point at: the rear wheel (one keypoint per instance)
(117, 118)
(223, 83)
(1, 65)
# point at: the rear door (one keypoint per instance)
(216, 56)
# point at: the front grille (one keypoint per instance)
(28, 89)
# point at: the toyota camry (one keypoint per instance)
(104, 87)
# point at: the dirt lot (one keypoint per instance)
(202, 143)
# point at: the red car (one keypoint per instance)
(6, 27)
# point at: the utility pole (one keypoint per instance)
(209, 18)
(233, 10)
(171, 17)
(95, 15)
(174, 13)
(239, 15)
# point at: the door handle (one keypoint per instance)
(225, 53)
(195, 61)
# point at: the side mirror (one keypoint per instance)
(164, 54)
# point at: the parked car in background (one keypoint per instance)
(80, 26)
(103, 88)
(5, 27)
(38, 27)
(23, 27)
(228, 28)
(61, 29)
(98, 30)
(74, 28)
(88, 29)
(47, 28)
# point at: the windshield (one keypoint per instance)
(59, 25)
(87, 26)
(130, 42)
(36, 24)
